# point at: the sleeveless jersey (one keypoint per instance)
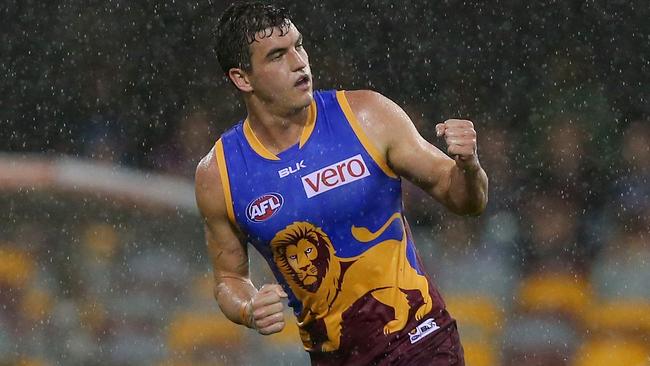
(326, 214)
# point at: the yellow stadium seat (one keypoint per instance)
(92, 313)
(36, 304)
(627, 315)
(32, 362)
(612, 352)
(476, 311)
(479, 354)
(551, 292)
(194, 330)
(102, 240)
(16, 267)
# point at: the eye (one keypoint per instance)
(293, 257)
(308, 250)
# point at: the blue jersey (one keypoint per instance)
(326, 214)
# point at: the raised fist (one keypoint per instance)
(460, 137)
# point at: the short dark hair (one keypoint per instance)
(238, 28)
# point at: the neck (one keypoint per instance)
(276, 129)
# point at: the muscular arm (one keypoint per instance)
(227, 251)
(236, 295)
(460, 184)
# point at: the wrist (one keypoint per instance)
(246, 314)
(468, 167)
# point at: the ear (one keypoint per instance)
(239, 77)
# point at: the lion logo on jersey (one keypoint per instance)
(303, 254)
(307, 259)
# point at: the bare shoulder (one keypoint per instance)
(379, 116)
(207, 171)
(363, 98)
(206, 166)
(208, 188)
(369, 103)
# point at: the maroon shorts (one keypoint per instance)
(446, 351)
(442, 349)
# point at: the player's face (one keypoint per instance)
(280, 69)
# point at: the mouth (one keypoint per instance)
(309, 280)
(303, 82)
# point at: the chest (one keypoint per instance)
(329, 186)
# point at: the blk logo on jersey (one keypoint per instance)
(264, 207)
(335, 175)
(290, 170)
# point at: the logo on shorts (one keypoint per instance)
(335, 175)
(264, 207)
(426, 327)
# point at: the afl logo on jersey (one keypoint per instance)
(263, 207)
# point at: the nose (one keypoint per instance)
(298, 60)
(303, 263)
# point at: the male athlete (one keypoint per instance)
(311, 179)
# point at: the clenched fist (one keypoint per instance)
(460, 137)
(265, 311)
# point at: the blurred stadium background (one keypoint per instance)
(106, 107)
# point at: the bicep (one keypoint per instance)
(406, 151)
(417, 160)
(226, 246)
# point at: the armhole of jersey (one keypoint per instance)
(225, 180)
(365, 141)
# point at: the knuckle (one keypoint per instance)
(269, 320)
(272, 298)
(259, 324)
(264, 323)
(272, 328)
(272, 319)
(256, 303)
(278, 326)
(261, 313)
(277, 307)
